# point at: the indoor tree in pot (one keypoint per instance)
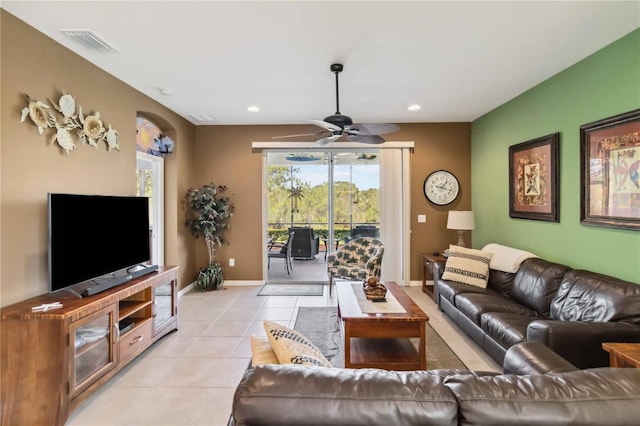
(210, 211)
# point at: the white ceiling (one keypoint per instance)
(458, 60)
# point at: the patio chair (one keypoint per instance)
(359, 231)
(283, 253)
(356, 260)
(305, 243)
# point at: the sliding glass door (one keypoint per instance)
(320, 199)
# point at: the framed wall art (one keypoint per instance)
(533, 179)
(610, 172)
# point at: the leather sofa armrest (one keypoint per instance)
(438, 270)
(300, 395)
(534, 358)
(580, 342)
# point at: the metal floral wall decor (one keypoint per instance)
(64, 119)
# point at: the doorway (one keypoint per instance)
(150, 183)
(325, 198)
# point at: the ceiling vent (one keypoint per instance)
(203, 118)
(90, 40)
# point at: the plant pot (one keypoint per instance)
(210, 277)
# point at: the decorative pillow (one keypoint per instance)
(467, 266)
(262, 352)
(292, 347)
(506, 259)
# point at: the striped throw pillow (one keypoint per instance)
(291, 347)
(467, 266)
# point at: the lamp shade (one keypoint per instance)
(461, 220)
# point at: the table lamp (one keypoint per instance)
(461, 221)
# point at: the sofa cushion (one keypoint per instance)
(506, 259)
(501, 281)
(291, 347)
(449, 289)
(536, 283)
(506, 328)
(602, 396)
(291, 395)
(588, 296)
(467, 266)
(473, 305)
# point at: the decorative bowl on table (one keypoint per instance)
(374, 290)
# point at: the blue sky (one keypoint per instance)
(365, 176)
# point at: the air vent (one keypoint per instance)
(203, 118)
(90, 40)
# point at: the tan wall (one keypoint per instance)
(224, 156)
(30, 168)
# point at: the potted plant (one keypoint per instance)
(210, 211)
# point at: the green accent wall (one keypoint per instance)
(604, 84)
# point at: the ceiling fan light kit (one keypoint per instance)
(337, 125)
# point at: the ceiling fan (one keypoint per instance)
(337, 125)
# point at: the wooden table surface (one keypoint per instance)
(623, 354)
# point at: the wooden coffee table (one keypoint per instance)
(381, 340)
(623, 354)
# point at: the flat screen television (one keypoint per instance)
(96, 240)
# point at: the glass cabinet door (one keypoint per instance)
(93, 345)
(163, 305)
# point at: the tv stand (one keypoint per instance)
(98, 285)
(50, 362)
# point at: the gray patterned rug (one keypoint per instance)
(321, 326)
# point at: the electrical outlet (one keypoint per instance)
(232, 262)
(422, 218)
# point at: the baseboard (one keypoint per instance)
(242, 283)
(186, 289)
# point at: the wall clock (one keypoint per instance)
(441, 187)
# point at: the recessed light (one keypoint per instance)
(253, 109)
(414, 107)
(165, 92)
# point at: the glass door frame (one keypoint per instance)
(331, 153)
(406, 148)
(156, 165)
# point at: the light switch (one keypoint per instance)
(422, 218)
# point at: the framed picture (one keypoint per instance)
(610, 172)
(533, 179)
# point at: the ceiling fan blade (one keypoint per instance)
(301, 134)
(373, 139)
(326, 125)
(326, 140)
(373, 128)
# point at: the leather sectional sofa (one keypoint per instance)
(538, 387)
(571, 311)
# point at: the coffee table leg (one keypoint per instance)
(423, 348)
(347, 344)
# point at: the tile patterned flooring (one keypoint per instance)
(189, 377)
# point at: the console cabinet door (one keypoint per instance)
(164, 305)
(93, 354)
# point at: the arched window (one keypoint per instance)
(150, 139)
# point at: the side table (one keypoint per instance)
(428, 262)
(623, 354)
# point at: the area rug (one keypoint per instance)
(291, 290)
(321, 325)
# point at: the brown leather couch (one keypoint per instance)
(538, 387)
(571, 311)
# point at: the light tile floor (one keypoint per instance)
(189, 377)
